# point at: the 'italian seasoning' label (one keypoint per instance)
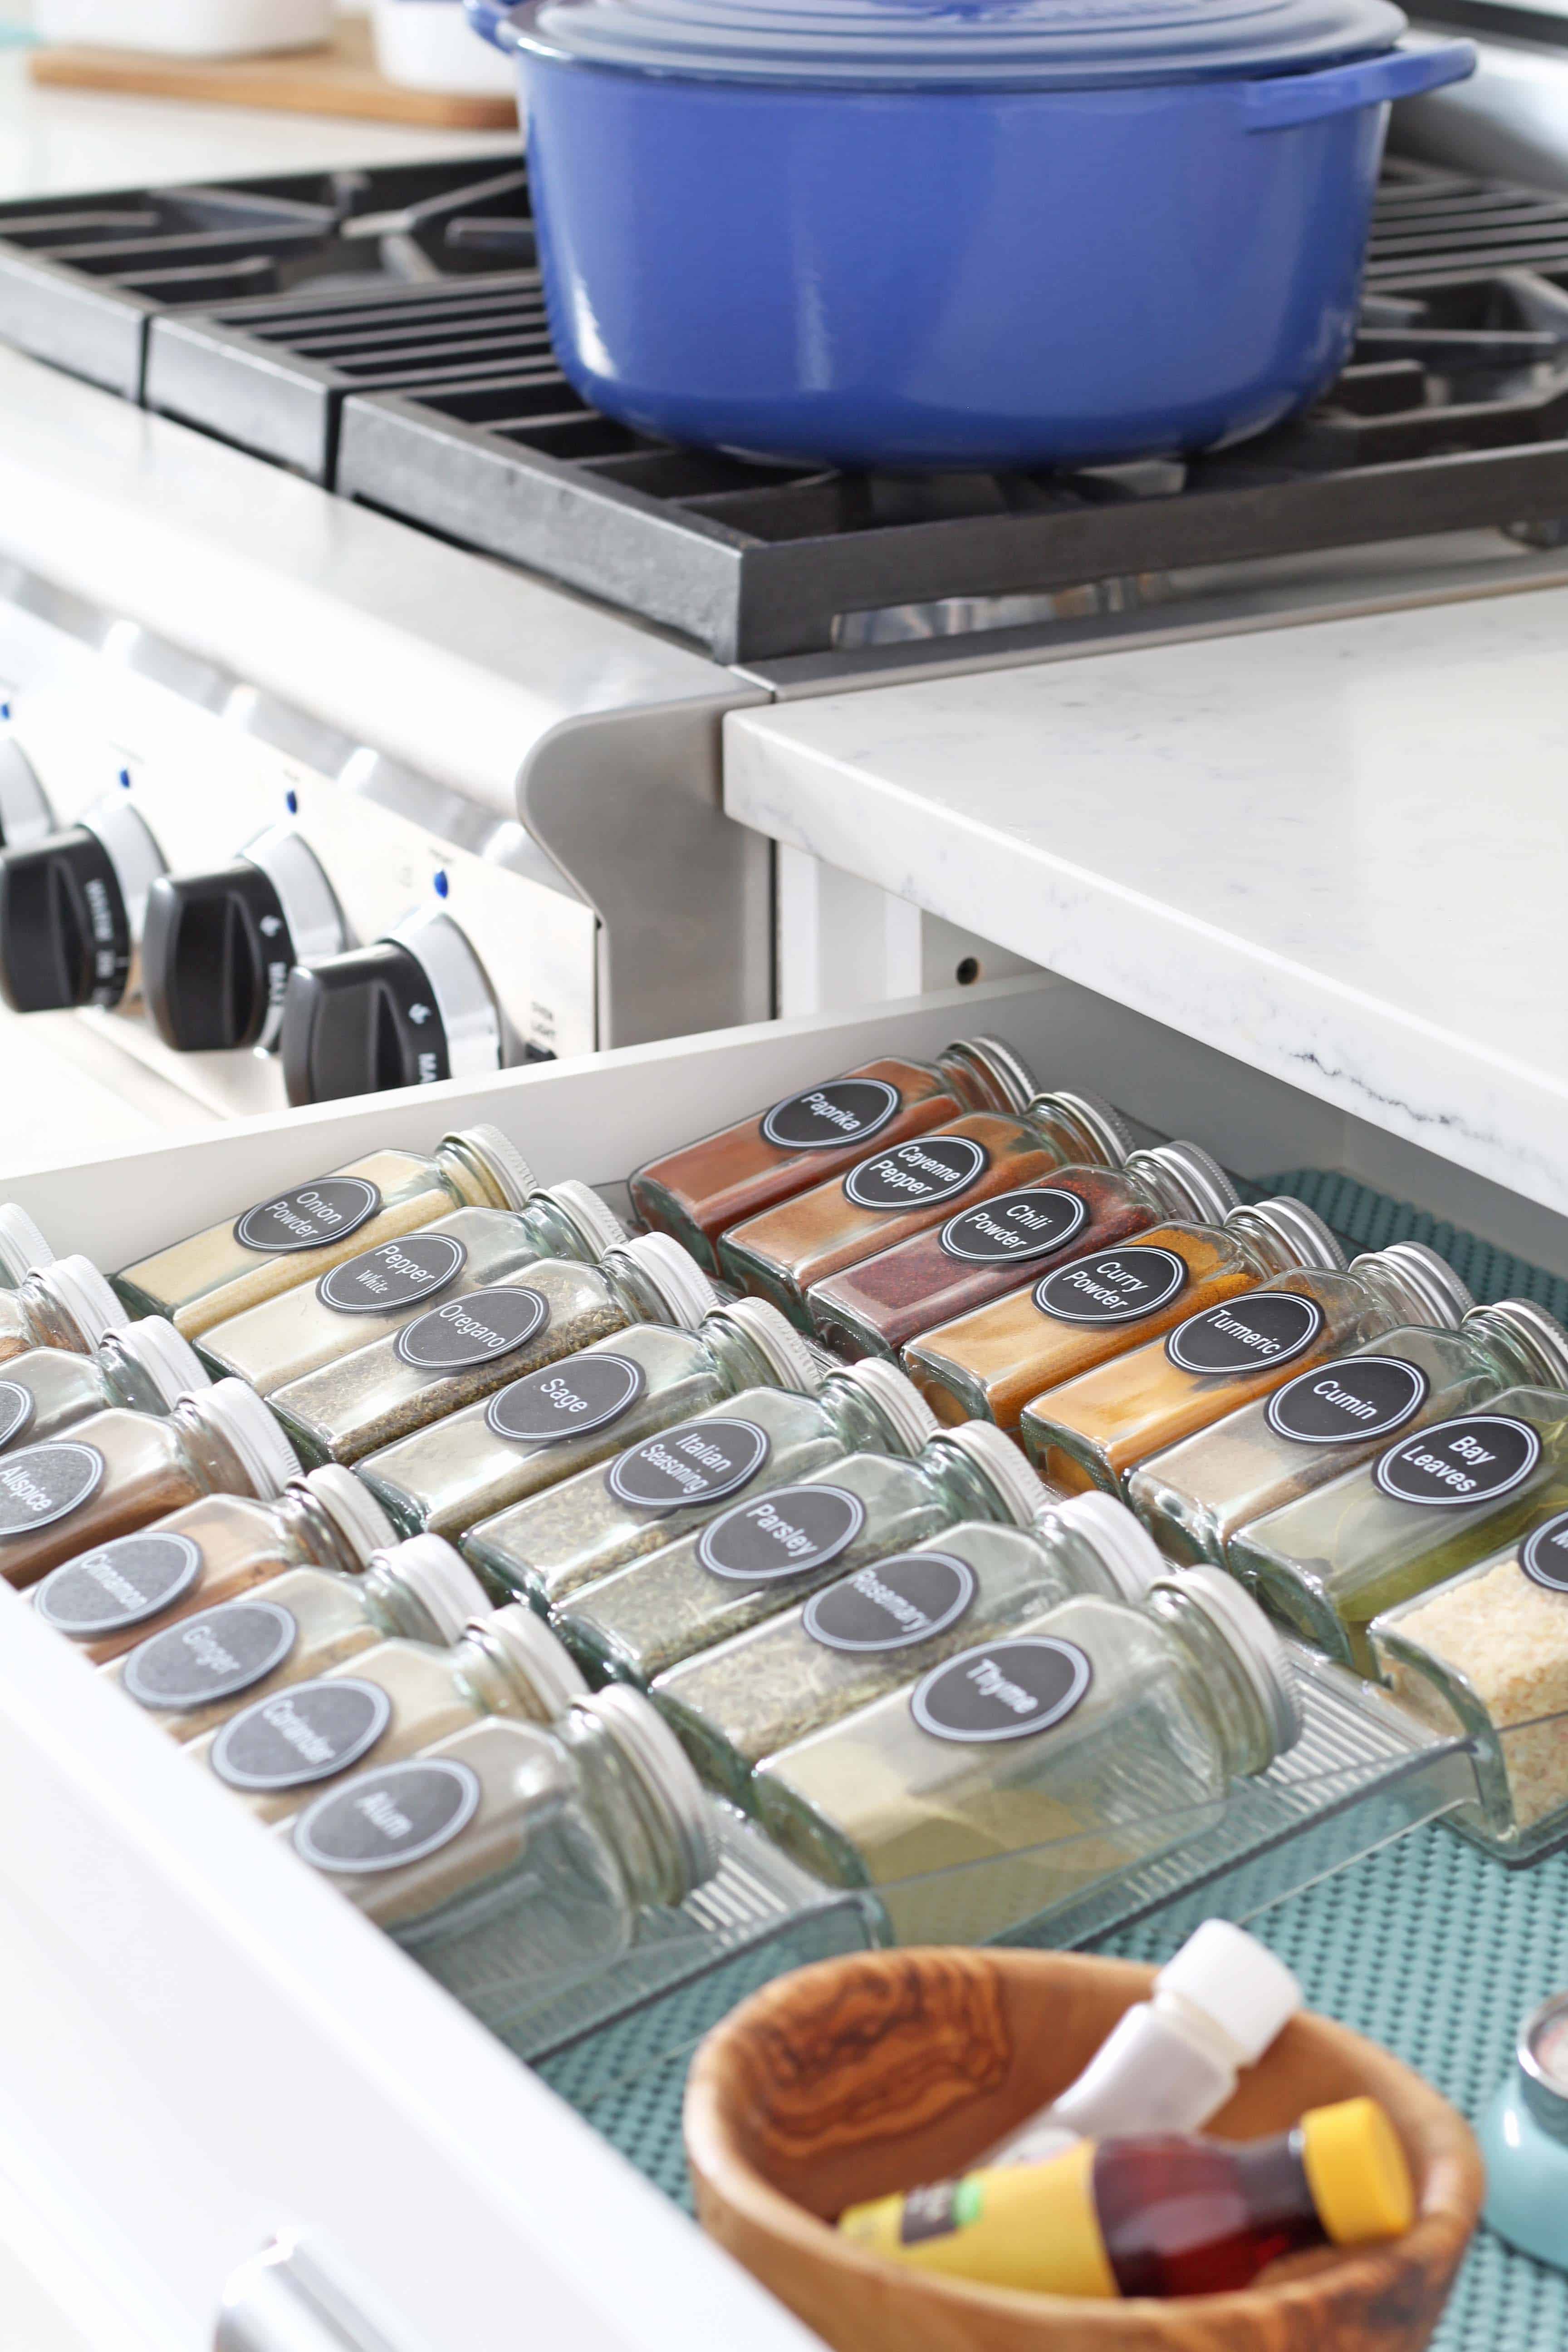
(1004, 1690)
(474, 1329)
(891, 1604)
(917, 1175)
(1473, 1459)
(1361, 1396)
(826, 1118)
(43, 1483)
(15, 1410)
(301, 1734)
(567, 1398)
(784, 1533)
(392, 1814)
(1014, 1227)
(212, 1656)
(308, 1217)
(121, 1583)
(696, 1461)
(1114, 1285)
(1545, 1556)
(1247, 1334)
(395, 1274)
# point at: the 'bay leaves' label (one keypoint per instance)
(43, 1483)
(696, 1461)
(783, 1533)
(1245, 1334)
(1472, 1459)
(121, 1583)
(212, 1656)
(1114, 1285)
(312, 1215)
(1544, 1556)
(917, 1175)
(891, 1604)
(564, 1400)
(1014, 1227)
(392, 1814)
(394, 1274)
(15, 1410)
(1003, 1690)
(826, 1118)
(1361, 1396)
(474, 1329)
(301, 1734)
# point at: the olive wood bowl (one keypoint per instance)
(861, 2076)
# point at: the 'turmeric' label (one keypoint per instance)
(1247, 1334)
(1473, 1459)
(121, 1583)
(1361, 1396)
(826, 1118)
(696, 1461)
(395, 1274)
(566, 1400)
(1004, 1690)
(891, 1604)
(392, 1814)
(212, 1656)
(474, 1330)
(301, 1734)
(1544, 1557)
(783, 1533)
(1114, 1285)
(44, 1483)
(308, 1217)
(1014, 1225)
(917, 1175)
(15, 1410)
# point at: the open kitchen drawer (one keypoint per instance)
(203, 2048)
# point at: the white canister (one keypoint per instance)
(190, 29)
(429, 45)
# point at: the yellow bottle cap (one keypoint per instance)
(1356, 2171)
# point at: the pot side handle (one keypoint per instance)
(491, 20)
(1289, 98)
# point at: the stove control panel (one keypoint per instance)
(409, 1011)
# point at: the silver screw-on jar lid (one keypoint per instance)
(22, 1248)
(1003, 1467)
(438, 1578)
(672, 1272)
(678, 1804)
(513, 1178)
(792, 1361)
(238, 1414)
(1538, 1335)
(999, 1069)
(1256, 1645)
(588, 1214)
(351, 1509)
(1442, 1298)
(165, 1355)
(1300, 1229)
(1131, 1558)
(76, 1283)
(541, 1667)
(1187, 1181)
(898, 1400)
(1104, 1133)
(1542, 2056)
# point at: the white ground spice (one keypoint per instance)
(1508, 1637)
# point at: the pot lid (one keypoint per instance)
(1020, 44)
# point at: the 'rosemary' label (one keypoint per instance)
(312, 1215)
(826, 1118)
(891, 1604)
(1003, 1690)
(783, 1533)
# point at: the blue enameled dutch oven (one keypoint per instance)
(956, 233)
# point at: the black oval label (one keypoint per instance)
(15, 1410)
(474, 1329)
(917, 1174)
(212, 1656)
(1360, 1396)
(1245, 1334)
(696, 1461)
(301, 1734)
(308, 1217)
(783, 1533)
(1003, 1690)
(826, 1118)
(393, 1275)
(1114, 1285)
(1014, 1227)
(1545, 1556)
(121, 1583)
(43, 1483)
(891, 1604)
(1472, 1459)
(392, 1814)
(564, 1400)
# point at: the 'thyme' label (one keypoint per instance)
(1361, 1396)
(474, 1330)
(1014, 1227)
(121, 1583)
(212, 1656)
(44, 1483)
(784, 1533)
(891, 1604)
(696, 1461)
(565, 1400)
(1115, 1286)
(15, 1410)
(917, 1175)
(309, 1217)
(826, 1118)
(395, 1274)
(1247, 1334)
(1544, 1556)
(1473, 1459)
(1004, 1690)
(392, 1814)
(301, 1734)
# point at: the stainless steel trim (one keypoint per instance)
(285, 2299)
(470, 1017)
(310, 908)
(131, 849)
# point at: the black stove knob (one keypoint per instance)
(361, 1024)
(215, 959)
(65, 930)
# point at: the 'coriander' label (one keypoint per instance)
(1361, 1396)
(1014, 1225)
(566, 1398)
(917, 1175)
(1004, 1690)
(783, 1533)
(121, 1583)
(696, 1461)
(308, 1217)
(212, 1656)
(395, 1274)
(1114, 1285)
(15, 1410)
(826, 1118)
(1473, 1459)
(892, 1603)
(1247, 1334)
(392, 1814)
(301, 1734)
(473, 1330)
(1544, 1557)
(44, 1483)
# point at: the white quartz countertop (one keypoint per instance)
(1338, 852)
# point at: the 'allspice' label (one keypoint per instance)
(299, 1736)
(891, 1604)
(1358, 1397)
(919, 1174)
(1003, 1690)
(783, 1533)
(120, 1584)
(393, 1815)
(15, 1410)
(474, 1329)
(826, 1118)
(1544, 1555)
(1472, 1459)
(566, 1400)
(1014, 1227)
(209, 1657)
(696, 1461)
(1114, 1285)
(44, 1483)
(394, 1274)
(1247, 1334)
(326, 1209)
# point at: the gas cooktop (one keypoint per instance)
(383, 332)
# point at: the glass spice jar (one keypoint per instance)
(295, 1236)
(373, 1295)
(145, 1366)
(1197, 1494)
(906, 1189)
(112, 1598)
(985, 1252)
(1020, 1772)
(65, 1304)
(22, 1246)
(556, 1421)
(769, 1551)
(883, 1626)
(584, 1528)
(470, 1346)
(117, 1470)
(698, 1192)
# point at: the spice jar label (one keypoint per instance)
(301, 1734)
(916, 1175)
(43, 1483)
(15, 1410)
(1544, 1557)
(310, 1216)
(1004, 1690)
(396, 1814)
(1113, 1286)
(1361, 1396)
(472, 1331)
(892, 1604)
(121, 1583)
(396, 1274)
(784, 1533)
(824, 1119)
(1021, 1225)
(211, 1657)
(567, 1398)
(1471, 1460)
(698, 1462)
(1245, 1334)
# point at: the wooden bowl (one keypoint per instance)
(861, 2076)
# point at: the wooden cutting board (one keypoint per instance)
(340, 78)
